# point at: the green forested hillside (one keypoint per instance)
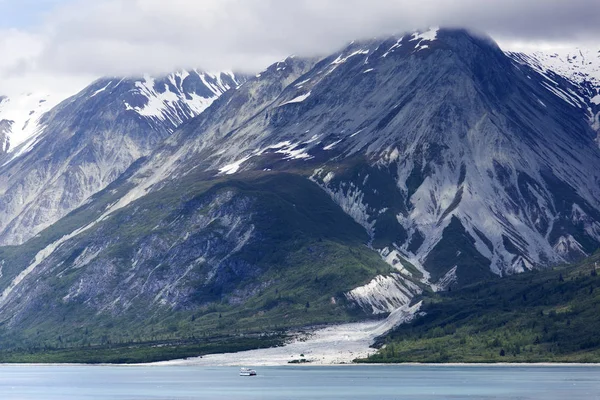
(539, 316)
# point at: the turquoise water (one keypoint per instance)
(304, 382)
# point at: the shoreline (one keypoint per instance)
(350, 365)
(329, 346)
(333, 346)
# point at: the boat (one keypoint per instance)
(247, 372)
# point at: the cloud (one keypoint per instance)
(22, 67)
(123, 37)
(19, 50)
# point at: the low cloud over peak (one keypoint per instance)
(124, 37)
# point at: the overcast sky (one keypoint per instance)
(50, 42)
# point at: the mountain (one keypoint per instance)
(88, 140)
(451, 155)
(192, 250)
(317, 191)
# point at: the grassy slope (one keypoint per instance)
(544, 316)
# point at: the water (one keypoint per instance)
(303, 382)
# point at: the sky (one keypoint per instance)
(45, 43)
(23, 14)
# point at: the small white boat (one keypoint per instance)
(247, 372)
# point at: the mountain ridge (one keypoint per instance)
(454, 160)
(88, 140)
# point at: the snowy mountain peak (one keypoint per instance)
(20, 117)
(90, 138)
(179, 96)
(470, 144)
(170, 99)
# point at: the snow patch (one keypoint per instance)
(298, 99)
(292, 151)
(313, 139)
(232, 168)
(332, 145)
(97, 92)
(427, 36)
(578, 64)
(341, 59)
(301, 84)
(561, 94)
(394, 47)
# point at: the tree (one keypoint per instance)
(502, 353)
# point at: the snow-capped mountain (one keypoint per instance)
(450, 155)
(433, 150)
(78, 147)
(176, 98)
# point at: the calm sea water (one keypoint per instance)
(305, 382)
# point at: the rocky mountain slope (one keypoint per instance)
(573, 74)
(451, 159)
(450, 155)
(87, 141)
